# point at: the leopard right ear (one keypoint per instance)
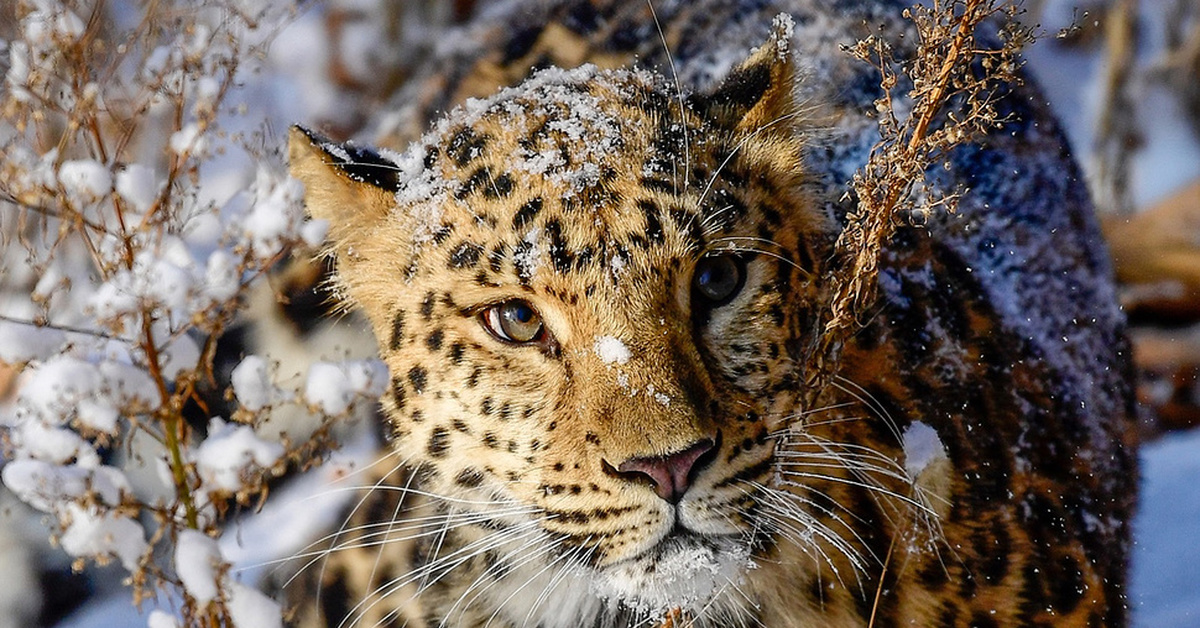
(758, 96)
(350, 187)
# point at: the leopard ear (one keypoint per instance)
(349, 186)
(759, 95)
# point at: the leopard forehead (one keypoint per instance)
(565, 155)
(586, 170)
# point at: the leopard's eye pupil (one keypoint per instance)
(718, 279)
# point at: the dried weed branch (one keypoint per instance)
(119, 269)
(952, 82)
(1117, 133)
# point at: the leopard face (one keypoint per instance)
(589, 334)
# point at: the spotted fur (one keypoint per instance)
(528, 482)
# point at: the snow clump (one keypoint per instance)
(611, 350)
(276, 215)
(138, 186)
(197, 558)
(252, 384)
(249, 607)
(91, 532)
(334, 386)
(85, 180)
(230, 452)
(922, 447)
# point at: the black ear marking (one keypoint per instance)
(737, 94)
(760, 90)
(356, 162)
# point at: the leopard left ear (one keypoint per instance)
(351, 187)
(758, 96)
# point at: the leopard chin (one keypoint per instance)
(684, 570)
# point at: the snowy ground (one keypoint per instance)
(1166, 560)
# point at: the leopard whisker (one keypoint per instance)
(737, 148)
(349, 517)
(741, 617)
(849, 482)
(478, 548)
(790, 418)
(773, 255)
(423, 493)
(512, 560)
(787, 529)
(797, 506)
(528, 581)
(706, 226)
(439, 566)
(868, 399)
(857, 463)
(687, 144)
(385, 538)
(576, 558)
(781, 510)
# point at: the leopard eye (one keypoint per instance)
(514, 321)
(718, 279)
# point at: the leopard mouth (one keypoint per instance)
(684, 569)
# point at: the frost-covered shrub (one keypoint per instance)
(123, 261)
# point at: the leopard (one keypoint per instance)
(591, 242)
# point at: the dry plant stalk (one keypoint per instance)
(1117, 134)
(1180, 65)
(112, 298)
(952, 83)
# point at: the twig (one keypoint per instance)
(950, 106)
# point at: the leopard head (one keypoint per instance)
(595, 296)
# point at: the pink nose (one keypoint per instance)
(672, 474)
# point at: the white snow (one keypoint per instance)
(221, 277)
(334, 386)
(197, 558)
(55, 387)
(252, 383)
(251, 609)
(46, 486)
(611, 350)
(188, 140)
(52, 444)
(178, 354)
(275, 215)
(1166, 557)
(313, 232)
(230, 451)
(138, 186)
(682, 576)
(97, 414)
(922, 447)
(103, 534)
(1165, 585)
(783, 27)
(85, 180)
(20, 343)
(161, 619)
(51, 21)
(129, 386)
(529, 258)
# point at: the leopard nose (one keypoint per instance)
(672, 474)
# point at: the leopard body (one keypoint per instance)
(970, 464)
